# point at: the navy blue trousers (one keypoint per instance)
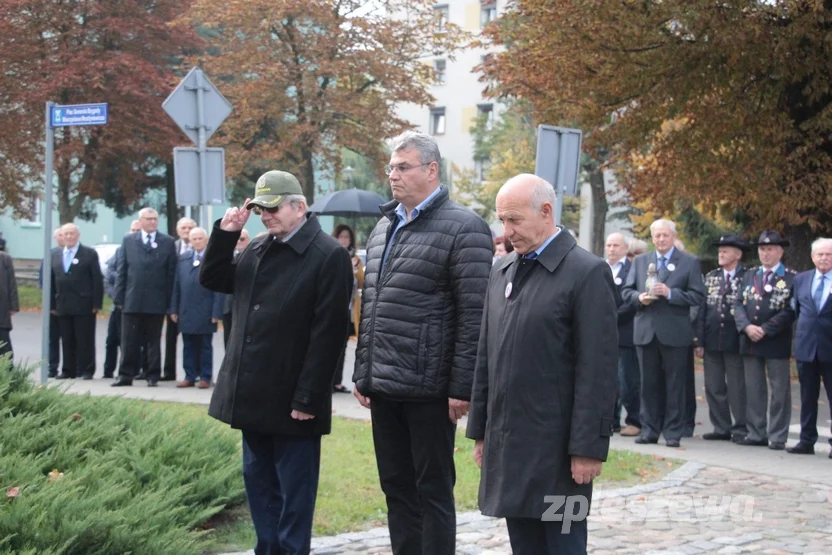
(529, 536)
(810, 375)
(281, 479)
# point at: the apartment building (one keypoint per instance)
(458, 92)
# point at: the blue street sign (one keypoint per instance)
(79, 114)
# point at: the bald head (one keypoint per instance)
(71, 235)
(526, 206)
(616, 247)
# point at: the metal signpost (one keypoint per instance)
(58, 116)
(198, 108)
(559, 161)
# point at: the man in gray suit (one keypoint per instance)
(662, 331)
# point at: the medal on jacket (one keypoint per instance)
(767, 288)
(671, 267)
(75, 261)
(196, 263)
(508, 290)
(153, 244)
(618, 281)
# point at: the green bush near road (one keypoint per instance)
(86, 476)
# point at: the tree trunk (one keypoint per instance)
(308, 176)
(171, 208)
(799, 252)
(599, 211)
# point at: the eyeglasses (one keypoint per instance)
(401, 168)
(258, 210)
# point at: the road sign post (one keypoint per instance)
(559, 161)
(198, 116)
(57, 116)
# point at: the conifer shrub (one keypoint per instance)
(82, 475)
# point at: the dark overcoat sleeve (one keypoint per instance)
(470, 266)
(217, 270)
(596, 364)
(629, 293)
(121, 274)
(97, 281)
(478, 415)
(175, 295)
(328, 333)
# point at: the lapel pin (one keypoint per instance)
(153, 244)
(196, 263)
(508, 290)
(671, 267)
(618, 281)
(75, 261)
(767, 288)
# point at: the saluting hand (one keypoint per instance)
(235, 218)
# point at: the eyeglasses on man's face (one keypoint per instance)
(258, 210)
(401, 168)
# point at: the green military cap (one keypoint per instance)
(272, 187)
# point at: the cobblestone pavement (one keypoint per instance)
(695, 509)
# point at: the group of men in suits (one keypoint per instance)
(739, 320)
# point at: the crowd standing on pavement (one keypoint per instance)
(546, 345)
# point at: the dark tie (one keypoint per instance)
(766, 277)
(662, 260)
(818, 296)
(147, 243)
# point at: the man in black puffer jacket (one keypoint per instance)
(428, 262)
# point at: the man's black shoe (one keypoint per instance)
(776, 446)
(121, 382)
(167, 379)
(753, 442)
(152, 382)
(141, 376)
(673, 443)
(643, 440)
(64, 377)
(802, 449)
(87, 377)
(52, 375)
(713, 436)
(737, 438)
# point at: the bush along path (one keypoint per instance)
(83, 475)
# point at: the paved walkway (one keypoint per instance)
(726, 499)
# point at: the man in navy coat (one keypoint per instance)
(143, 288)
(813, 341)
(196, 311)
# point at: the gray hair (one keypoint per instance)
(619, 234)
(820, 242)
(146, 211)
(424, 143)
(185, 220)
(199, 229)
(294, 200)
(667, 224)
(637, 245)
(542, 192)
(70, 225)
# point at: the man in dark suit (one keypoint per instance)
(9, 303)
(545, 376)
(77, 295)
(663, 332)
(764, 318)
(183, 246)
(143, 289)
(54, 323)
(813, 342)
(719, 343)
(629, 375)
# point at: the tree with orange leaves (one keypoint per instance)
(76, 52)
(308, 77)
(710, 102)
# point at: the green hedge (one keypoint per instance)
(83, 475)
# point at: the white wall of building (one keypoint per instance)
(460, 95)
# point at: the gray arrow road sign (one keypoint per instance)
(183, 108)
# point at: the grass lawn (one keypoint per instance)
(30, 300)
(349, 497)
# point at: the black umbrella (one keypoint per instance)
(349, 202)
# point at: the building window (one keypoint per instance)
(437, 121)
(488, 12)
(441, 14)
(482, 167)
(33, 209)
(439, 68)
(486, 111)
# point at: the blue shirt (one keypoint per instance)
(826, 284)
(545, 244)
(401, 214)
(667, 256)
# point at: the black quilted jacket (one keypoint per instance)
(420, 319)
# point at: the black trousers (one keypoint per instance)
(664, 387)
(6, 343)
(78, 341)
(171, 333)
(226, 328)
(414, 443)
(529, 536)
(114, 343)
(810, 375)
(690, 395)
(138, 330)
(281, 478)
(54, 344)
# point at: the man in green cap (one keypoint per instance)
(291, 292)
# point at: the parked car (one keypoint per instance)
(105, 253)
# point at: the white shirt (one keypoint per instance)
(616, 268)
(145, 235)
(184, 247)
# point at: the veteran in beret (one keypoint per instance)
(719, 343)
(764, 318)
